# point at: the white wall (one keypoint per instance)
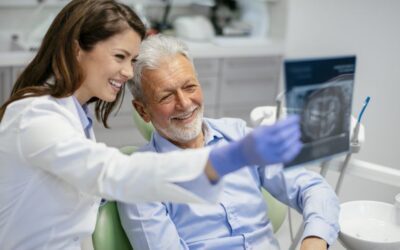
(369, 29)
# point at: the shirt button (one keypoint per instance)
(76, 238)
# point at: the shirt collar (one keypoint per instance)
(84, 114)
(162, 145)
(212, 135)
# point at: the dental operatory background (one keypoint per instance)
(246, 41)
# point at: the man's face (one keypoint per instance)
(173, 99)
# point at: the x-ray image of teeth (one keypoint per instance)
(320, 91)
(323, 108)
(320, 116)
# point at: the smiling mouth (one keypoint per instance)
(185, 116)
(116, 84)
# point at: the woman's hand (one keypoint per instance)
(265, 145)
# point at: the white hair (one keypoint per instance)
(152, 51)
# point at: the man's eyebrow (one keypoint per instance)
(191, 80)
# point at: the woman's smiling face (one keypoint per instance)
(107, 66)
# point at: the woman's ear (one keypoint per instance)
(141, 109)
(77, 50)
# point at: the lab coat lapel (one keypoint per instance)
(91, 134)
(72, 114)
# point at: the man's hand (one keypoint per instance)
(313, 243)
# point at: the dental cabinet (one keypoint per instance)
(8, 75)
(5, 82)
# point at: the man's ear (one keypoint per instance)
(141, 109)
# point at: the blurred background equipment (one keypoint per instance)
(240, 18)
(195, 28)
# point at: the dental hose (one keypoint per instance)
(354, 146)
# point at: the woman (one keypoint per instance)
(53, 173)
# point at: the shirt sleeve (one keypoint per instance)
(47, 139)
(149, 226)
(309, 194)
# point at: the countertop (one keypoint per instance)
(219, 48)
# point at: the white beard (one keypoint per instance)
(184, 133)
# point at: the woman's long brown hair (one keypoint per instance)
(86, 22)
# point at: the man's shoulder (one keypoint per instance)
(230, 127)
(226, 121)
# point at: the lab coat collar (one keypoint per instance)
(69, 104)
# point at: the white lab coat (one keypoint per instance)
(52, 176)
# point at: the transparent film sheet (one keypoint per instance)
(325, 112)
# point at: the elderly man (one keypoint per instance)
(167, 93)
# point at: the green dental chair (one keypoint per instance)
(109, 234)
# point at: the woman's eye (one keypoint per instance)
(120, 56)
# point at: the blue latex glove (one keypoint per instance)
(279, 143)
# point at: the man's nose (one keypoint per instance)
(183, 100)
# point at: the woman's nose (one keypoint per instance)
(127, 71)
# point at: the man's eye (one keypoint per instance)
(165, 98)
(191, 87)
(120, 56)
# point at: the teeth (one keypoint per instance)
(184, 116)
(116, 84)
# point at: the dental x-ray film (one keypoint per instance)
(320, 91)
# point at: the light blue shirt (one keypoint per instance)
(239, 221)
(84, 116)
